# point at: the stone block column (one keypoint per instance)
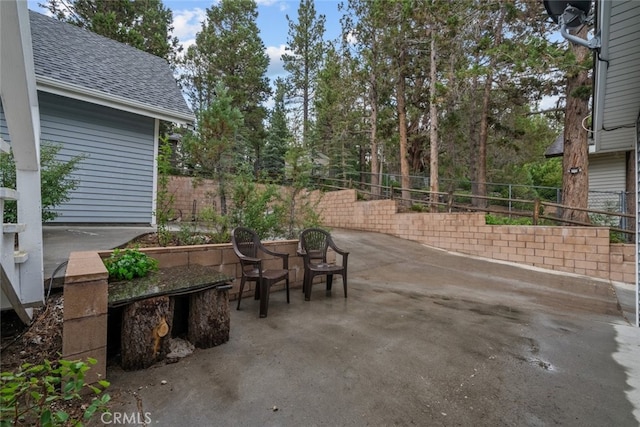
(84, 331)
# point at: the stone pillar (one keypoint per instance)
(84, 332)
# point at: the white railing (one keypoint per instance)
(10, 259)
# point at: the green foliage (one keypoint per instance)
(505, 220)
(56, 183)
(278, 138)
(209, 151)
(546, 173)
(305, 51)
(143, 24)
(210, 227)
(229, 51)
(300, 209)
(30, 394)
(256, 207)
(129, 263)
(164, 199)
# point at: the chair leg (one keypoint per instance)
(344, 283)
(264, 298)
(240, 293)
(287, 289)
(307, 287)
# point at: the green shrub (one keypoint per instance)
(55, 177)
(30, 394)
(504, 220)
(129, 263)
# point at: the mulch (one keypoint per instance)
(42, 340)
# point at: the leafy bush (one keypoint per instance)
(29, 395)
(56, 183)
(256, 207)
(504, 220)
(129, 263)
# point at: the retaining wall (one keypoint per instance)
(580, 250)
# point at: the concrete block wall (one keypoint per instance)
(84, 331)
(185, 190)
(580, 250)
(223, 257)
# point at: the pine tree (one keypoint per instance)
(306, 44)
(143, 24)
(229, 50)
(279, 136)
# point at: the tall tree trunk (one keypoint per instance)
(373, 137)
(481, 177)
(434, 184)
(473, 138)
(402, 125)
(575, 160)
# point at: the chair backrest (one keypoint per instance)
(315, 242)
(245, 242)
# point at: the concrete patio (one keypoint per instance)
(426, 337)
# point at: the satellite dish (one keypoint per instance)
(573, 12)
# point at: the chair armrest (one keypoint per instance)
(336, 248)
(283, 255)
(249, 260)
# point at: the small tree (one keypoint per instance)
(256, 207)
(164, 199)
(56, 184)
(209, 150)
(301, 209)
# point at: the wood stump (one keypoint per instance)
(146, 332)
(209, 321)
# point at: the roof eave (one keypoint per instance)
(49, 85)
(600, 77)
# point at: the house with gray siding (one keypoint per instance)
(103, 100)
(616, 103)
(614, 151)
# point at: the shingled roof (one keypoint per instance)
(77, 63)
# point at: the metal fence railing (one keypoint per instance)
(542, 205)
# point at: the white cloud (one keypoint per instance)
(275, 60)
(186, 23)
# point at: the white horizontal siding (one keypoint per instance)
(607, 172)
(116, 176)
(607, 180)
(622, 93)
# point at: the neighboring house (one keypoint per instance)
(612, 140)
(96, 97)
(104, 100)
(616, 105)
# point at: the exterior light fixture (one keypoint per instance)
(572, 14)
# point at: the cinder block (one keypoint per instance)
(85, 267)
(84, 334)
(85, 299)
(209, 257)
(172, 259)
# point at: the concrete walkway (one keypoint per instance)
(60, 240)
(425, 338)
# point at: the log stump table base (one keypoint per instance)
(148, 314)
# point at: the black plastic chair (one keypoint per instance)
(247, 246)
(314, 244)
